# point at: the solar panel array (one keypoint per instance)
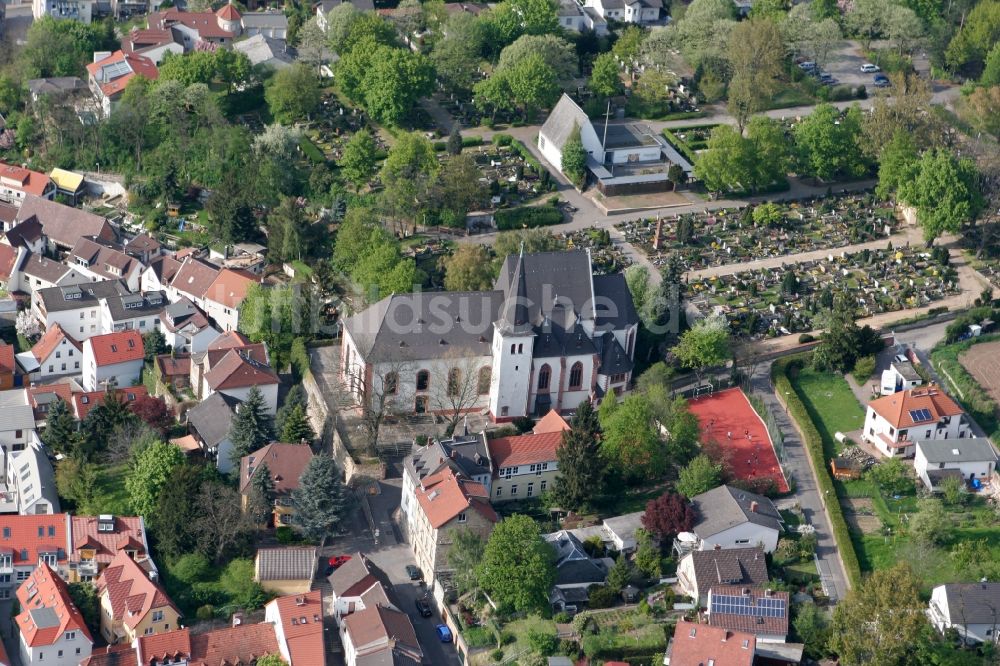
(919, 415)
(748, 606)
(114, 70)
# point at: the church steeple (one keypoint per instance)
(515, 308)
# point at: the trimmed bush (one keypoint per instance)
(806, 338)
(471, 141)
(864, 368)
(814, 447)
(502, 139)
(527, 217)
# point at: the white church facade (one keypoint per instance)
(550, 335)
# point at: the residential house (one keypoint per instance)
(132, 605)
(247, 258)
(139, 312)
(76, 308)
(30, 479)
(51, 628)
(17, 421)
(286, 570)
(69, 184)
(43, 396)
(222, 27)
(576, 572)
(103, 260)
(445, 502)
(286, 462)
(38, 272)
(27, 541)
(617, 533)
(17, 182)
(270, 24)
(628, 11)
(467, 454)
(262, 51)
(56, 86)
(523, 352)
(700, 644)
(359, 584)
(894, 422)
(8, 216)
(185, 328)
(298, 626)
(159, 272)
(10, 259)
(235, 371)
(970, 460)
(972, 609)
(109, 76)
(752, 610)
(209, 423)
(732, 518)
(379, 635)
(222, 300)
(524, 466)
(27, 235)
(113, 360)
(75, 10)
(8, 366)
(573, 17)
(82, 403)
(174, 370)
(63, 226)
(97, 540)
(238, 644)
(143, 247)
(699, 570)
(55, 354)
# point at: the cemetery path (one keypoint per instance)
(909, 236)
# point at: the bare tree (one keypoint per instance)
(374, 395)
(461, 389)
(222, 526)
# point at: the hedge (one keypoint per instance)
(814, 446)
(527, 217)
(680, 145)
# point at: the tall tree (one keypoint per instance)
(320, 499)
(251, 426)
(698, 476)
(727, 163)
(867, 19)
(881, 620)
(574, 158)
(897, 164)
(945, 193)
(829, 143)
(631, 442)
(230, 214)
(457, 190)
(667, 515)
(512, 18)
(292, 94)
(755, 54)
(468, 269)
(297, 427)
(149, 474)
(60, 427)
(704, 345)
(518, 568)
(407, 173)
(554, 50)
(262, 494)
(581, 470)
(222, 527)
(605, 77)
(176, 511)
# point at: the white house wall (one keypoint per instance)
(638, 154)
(742, 536)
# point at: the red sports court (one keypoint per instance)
(728, 418)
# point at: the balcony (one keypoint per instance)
(6, 566)
(87, 568)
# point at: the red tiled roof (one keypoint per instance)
(387, 628)
(84, 402)
(524, 449)
(238, 369)
(228, 12)
(302, 624)
(551, 422)
(49, 342)
(7, 365)
(45, 589)
(205, 23)
(897, 407)
(130, 591)
(174, 366)
(26, 180)
(129, 531)
(443, 496)
(229, 340)
(230, 287)
(122, 654)
(33, 534)
(286, 462)
(138, 65)
(63, 391)
(698, 644)
(170, 644)
(113, 348)
(8, 259)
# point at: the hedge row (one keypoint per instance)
(527, 217)
(680, 145)
(814, 446)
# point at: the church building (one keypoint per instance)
(550, 335)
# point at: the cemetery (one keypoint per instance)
(333, 126)
(510, 171)
(790, 298)
(737, 235)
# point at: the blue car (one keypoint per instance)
(443, 633)
(881, 81)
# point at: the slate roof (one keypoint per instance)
(286, 462)
(389, 628)
(64, 225)
(47, 610)
(559, 125)
(295, 563)
(468, 454)
(900, 408)
(183, 313)
(212, 417)
(25, 233)
(56, 84)
(139, 305)
(613, 302)
(75, 297)
(614, 360)
(103, 259)
(265, 20)
(973, 603)
(131, 593)
(724, 507)
(757, 618)
(357, 575)
(261, 49)
(744, 566)
(971, 449)
(362, 5)
(694, 644)
(15, 411)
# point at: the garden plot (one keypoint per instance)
(788, 299)
(731, 236)
(860, 515)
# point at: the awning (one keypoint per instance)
(67, 181)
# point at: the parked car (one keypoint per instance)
(869, 68)
(827, 79)
(336, 562)
(413, 572)
(443, 633)
(423, 607)
(881, 81)
(807, 66)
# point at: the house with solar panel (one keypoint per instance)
(895, 422)
(754, 610)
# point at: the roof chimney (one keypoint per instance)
(753, 506)
(726, 635)
(717, 547)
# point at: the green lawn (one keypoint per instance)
(110, 495)
(830, 403)
(791, 96)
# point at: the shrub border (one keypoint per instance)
(789, 395)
